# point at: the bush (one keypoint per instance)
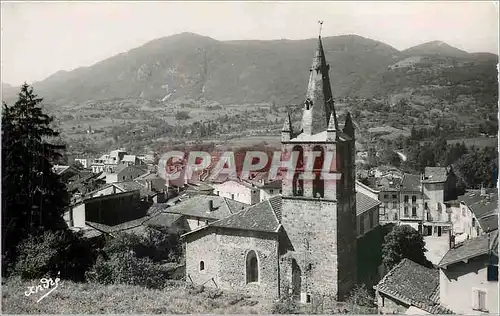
(361, 301)
(52, 252)
(157, 244)
(126, 268)
(182, 115)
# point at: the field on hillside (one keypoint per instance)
(84, 298)
(476, 141)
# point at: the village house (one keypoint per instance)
(109, 209)
(85, 162)
(237, 190)
(410, 288)
(469, 276)
(411, 208)
(124, 173)
(303, 242)
(65, 172)
(474, 214)
(269, 189)
(145, 194)
(389, 194)
(367, 216)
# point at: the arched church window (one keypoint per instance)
(297, 150)
(252, 267)
(202, 265)
(308, 103)
(319, 158)
(298, 185)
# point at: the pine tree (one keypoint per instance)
(33, 196)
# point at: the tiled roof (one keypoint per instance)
(258, 217)
(411, 182)
(471, 248)
(414, 285)
(384, 184)
(435, 174)
(59, 169)
(485, 208)
(365, 203)
(198, 206)
(132, 186)
(271, 185)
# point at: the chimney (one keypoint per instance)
(210, 205)
(483, 190)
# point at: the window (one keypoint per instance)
(406, 211)
(414, 211)
(372, 217)
(361, 224)
(473, 222)
(252, 267)
(202, 265)
(298, 185)
(426, 206)
(232, 196)
(394, 196)
(271, 191)
(382, 211)
(493, 272)
(479, 300)
(414, 199)
(395, 216)
(394, 205)
(406, 198)
(386, 196)
(280, 191)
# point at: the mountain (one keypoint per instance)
(190, 66)
(434, 48)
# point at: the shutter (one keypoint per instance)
(482, 300)
(475, 299)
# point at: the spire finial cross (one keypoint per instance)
(320, 26)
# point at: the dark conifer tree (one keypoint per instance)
(33, 196)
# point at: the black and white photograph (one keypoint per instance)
(250, 157)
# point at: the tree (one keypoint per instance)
(33, 196)
(403, 242)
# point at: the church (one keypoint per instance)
(302, 242)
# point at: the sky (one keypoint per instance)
(41, 38)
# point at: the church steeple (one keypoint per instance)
(318, 105)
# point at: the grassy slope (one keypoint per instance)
(87, 298)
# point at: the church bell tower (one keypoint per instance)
(318, 214)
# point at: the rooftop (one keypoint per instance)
(262, 216)
(198, 206)
(484, 207)
(414, 285)
(365, 203)
(411, 182)
(435, 174)
(471, 248)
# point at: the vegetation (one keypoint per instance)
(404, 242)
(33, 196)
(92, 298)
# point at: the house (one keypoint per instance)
(469, 276)
(145, 194)
(475, 213)
(370, 239)
(237, 190)
(303, 242)
(269, 189)
(411, 209)
(85, 162)
(389, 194)
(152, 181)
(130, 160)
(124, 173)
(200, 210)
(110, 209)
(367, 216)
(65, 172)
(410, 288)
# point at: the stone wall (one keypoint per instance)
(224, 253)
